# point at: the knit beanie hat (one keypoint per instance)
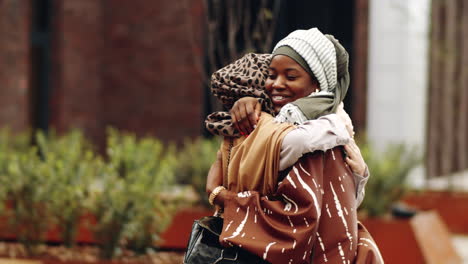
(317, 50)
(291, 53)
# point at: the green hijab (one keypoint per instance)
(320, 104)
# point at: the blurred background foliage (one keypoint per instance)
(195, 160)
(131, 189)
(389, 171)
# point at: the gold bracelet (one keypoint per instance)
(215, 193)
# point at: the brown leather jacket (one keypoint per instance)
(310, 218)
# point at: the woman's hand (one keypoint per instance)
(345, 118)
(215, 175)
(354, 158)
(245, 113)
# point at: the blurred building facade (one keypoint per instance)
(92, 64)
(139, 66)
(418, 81)
(131, 65)
(14, 62)
(397, 74)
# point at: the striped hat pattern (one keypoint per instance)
(319, 53)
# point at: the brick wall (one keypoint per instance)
(128, 64)
(14, 66)
(77, 67)
(151, 84)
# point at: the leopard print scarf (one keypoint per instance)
(244, 77)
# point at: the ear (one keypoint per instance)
(315, 82)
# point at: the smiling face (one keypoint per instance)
(287, 81)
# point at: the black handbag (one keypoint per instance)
(204, 247)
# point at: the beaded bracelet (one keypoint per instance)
(215, 193)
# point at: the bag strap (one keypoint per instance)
(219, 210)
(225, 176)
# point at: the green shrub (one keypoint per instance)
(388, 174)
(129, 205)
(30, 182)
(25, 182)
(194, 162)
(10, 144)
(72, 161)
(56, 181)
(14, 141)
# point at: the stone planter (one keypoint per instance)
(423, 238)
(174, 238)
(451, 206)
(177, 234)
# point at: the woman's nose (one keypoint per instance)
(279, 83)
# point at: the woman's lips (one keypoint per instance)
(280, 100)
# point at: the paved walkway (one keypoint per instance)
(458, 182)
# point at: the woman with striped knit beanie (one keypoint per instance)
(275, 216)
(326, 61)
